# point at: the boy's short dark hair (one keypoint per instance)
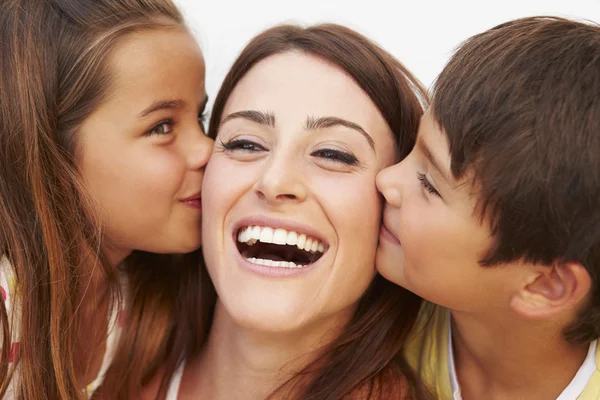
(520, 105)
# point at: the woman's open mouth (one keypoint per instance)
(277, 247)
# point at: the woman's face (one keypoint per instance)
(293, 214)
(142, 152)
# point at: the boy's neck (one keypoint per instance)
(495, 360)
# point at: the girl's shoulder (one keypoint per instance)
(7, 280)
(7, 296)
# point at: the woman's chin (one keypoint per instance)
(266, 317)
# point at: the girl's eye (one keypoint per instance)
(202, 121)
(244, 145)
(162, 128)
(427, 185)
(336, 156)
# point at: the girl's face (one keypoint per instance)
(293, 214)
(142, 152)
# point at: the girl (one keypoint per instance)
(102, 158)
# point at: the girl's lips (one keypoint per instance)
(194, 202)
(385, 233)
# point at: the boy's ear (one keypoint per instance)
(552, 290)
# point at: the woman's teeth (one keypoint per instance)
(271, 263)
(252, 234)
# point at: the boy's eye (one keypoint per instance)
(244, 145)
(336, 156)
(162, 128)
(427, 185)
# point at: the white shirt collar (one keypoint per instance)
(571, 392)
(583, 375)
(451, 366)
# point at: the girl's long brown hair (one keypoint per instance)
(54, 72)
(367, 360)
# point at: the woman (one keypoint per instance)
(304, 121)
(102, 158)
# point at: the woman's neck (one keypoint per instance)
(242, 363)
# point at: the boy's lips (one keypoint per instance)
(387, 234)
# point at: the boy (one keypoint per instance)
(495, 217)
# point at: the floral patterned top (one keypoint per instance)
(8, 294)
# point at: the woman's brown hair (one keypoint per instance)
(367, 360)
(54, 72)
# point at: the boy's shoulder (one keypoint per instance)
(427, 353)
(427, 349)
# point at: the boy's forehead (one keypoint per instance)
(433, 141)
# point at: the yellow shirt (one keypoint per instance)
(427, 354)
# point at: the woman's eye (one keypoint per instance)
(162, 128)
(244, 145)
(336, 156)
(427, 185)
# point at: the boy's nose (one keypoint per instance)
(389, 185)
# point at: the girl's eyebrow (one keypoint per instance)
(162, 105)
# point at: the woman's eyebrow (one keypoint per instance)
(268, 118)
(328, 122)
(259, 117)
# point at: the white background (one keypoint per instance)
(422, 34)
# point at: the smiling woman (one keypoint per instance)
(304, 121)
(300, 176)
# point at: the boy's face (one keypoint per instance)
(431, 238)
